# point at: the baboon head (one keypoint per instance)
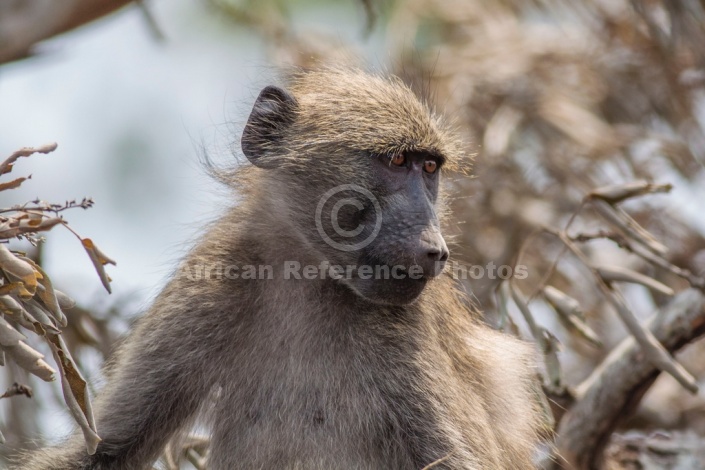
(355, 161)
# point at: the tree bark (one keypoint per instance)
(24, 23)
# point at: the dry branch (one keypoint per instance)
(24, 24)
(652, 348)
(616, 386)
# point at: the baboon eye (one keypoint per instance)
(398, 159)
(430, 166)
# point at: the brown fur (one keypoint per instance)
(305, 374)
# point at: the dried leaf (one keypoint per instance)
(75, 392)
(99, 260)
(46, 293)
(10, 306)
(21, 270)
(12, 184)
(11, 230)
(14, 288)
(6, 166)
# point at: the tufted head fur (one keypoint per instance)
(335, 113)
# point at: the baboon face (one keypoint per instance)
(357, 161)
(400, 240)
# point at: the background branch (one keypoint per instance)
(24, 23)
(609, 394)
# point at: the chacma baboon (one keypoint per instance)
(313, 320)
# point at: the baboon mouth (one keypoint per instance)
(411, 275)
(392, 285)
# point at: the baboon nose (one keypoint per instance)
(439, 254)
(435, 258)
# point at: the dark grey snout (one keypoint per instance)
(432, 254)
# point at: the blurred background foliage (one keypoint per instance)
(554, 99)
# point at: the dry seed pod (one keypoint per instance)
(41, 316)
(619, 274)
(10, 306)
(615, 194)
(8, 335)
(45, 291)
(30, 360)
(99, 259)
(16, 288)
(17, 268)
(65, 302)
(27, 320)
(18, 314)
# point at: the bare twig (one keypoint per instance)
(545, 340)
(554, 263)
(652, 348)
(625, 223)
(17, 389)
(152, 23)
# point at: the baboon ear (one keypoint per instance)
(272, 113)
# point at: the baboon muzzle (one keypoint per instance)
(431, 252)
